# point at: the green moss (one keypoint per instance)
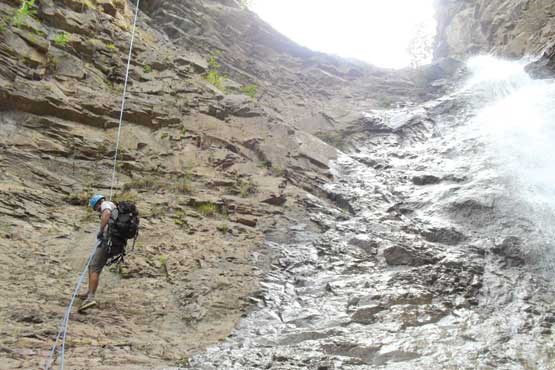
(111, 47)
(249, 90)
(61, 39)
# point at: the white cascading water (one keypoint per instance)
(517, 124)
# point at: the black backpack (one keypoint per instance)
(126, 225)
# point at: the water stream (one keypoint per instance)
(438, 264)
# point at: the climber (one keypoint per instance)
(109, 246)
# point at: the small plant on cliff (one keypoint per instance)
(207, 209)
(163, 259)
(147, 68)
(245, 3)
(213, 76)
(249, 90)
(27, 9)
(61, 39)
(3, 25)
(247, 188)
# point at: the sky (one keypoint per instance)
(375, 31)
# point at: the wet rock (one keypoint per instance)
(240, 106)
(444, 235)
(247, 221)
(366, 315)
(544, 67)
(425, 180)
(276, 200)
(404, 255)
(509, 28)
(365, 243)
(341, 201)
(511, 250)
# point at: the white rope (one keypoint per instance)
(62, 333)
(123, 99)
(63, 327)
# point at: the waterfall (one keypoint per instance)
(517, 124)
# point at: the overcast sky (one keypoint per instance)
(376, 31)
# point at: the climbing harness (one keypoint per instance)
(62, 333)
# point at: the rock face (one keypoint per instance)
(211, 167)
(510, 28)
(380, 258)
(507, 28)
(415, 275)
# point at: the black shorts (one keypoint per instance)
(103, 252)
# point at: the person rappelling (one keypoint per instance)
(118, 223)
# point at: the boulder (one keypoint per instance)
(425, 180)
(544, 67)
(276, 200)
(510, 249)
(405, 255)
(443, 235)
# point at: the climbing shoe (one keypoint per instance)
(87, 304)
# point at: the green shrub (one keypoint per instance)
(147, 68)
(180, 219)
(27, 9)
(207, 209)
(3, 25)
(183, 362)
(111, 46)
(215, 79)
(265, 164)
(77, 199)
(61, 39)
(144, 183)
(128, 196)
(249, 90)
(333, 138)
(163, 259)
(247, 188)
(213, 76)
(223, 228)
(278, 171)
(184, 186)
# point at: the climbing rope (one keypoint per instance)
(123, 98)
(63, 327)
(62, 333)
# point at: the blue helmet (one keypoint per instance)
(95, 199)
